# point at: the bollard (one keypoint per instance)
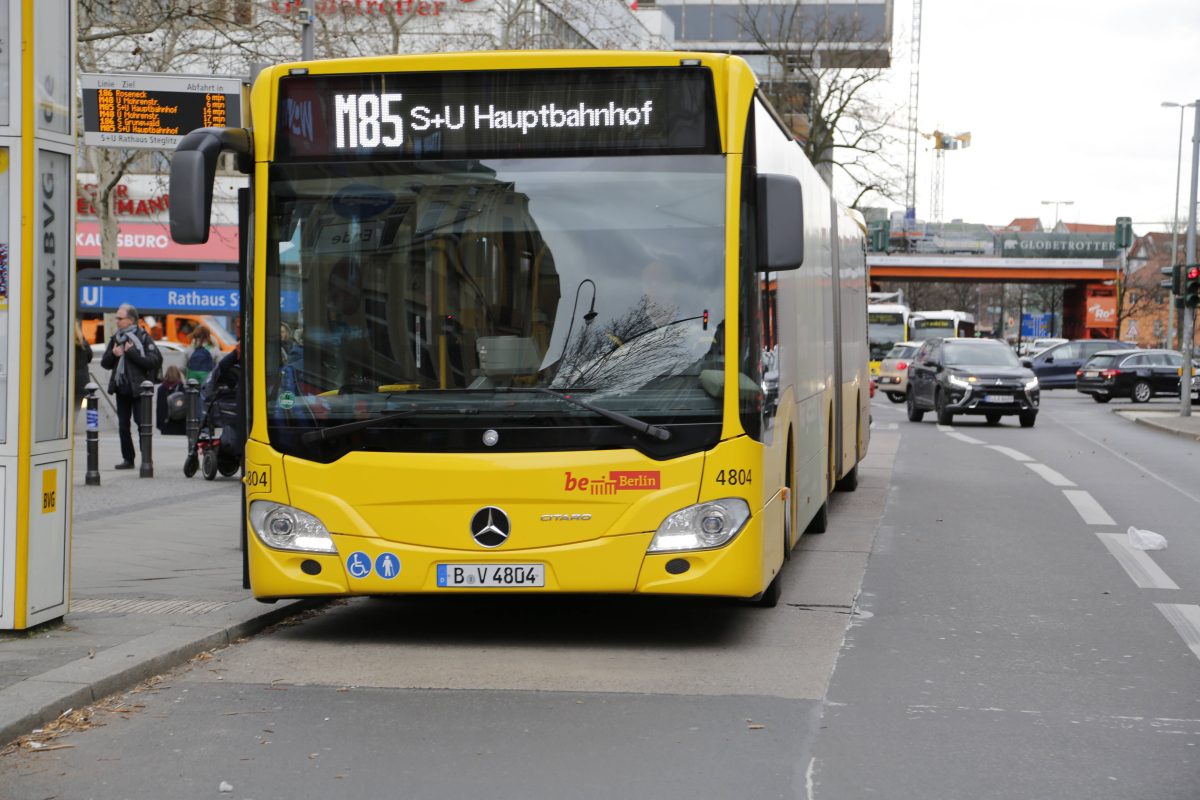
(192, 425)
(92, 478)
(146, 429)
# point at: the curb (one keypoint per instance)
(1152, 423)
(41, 699)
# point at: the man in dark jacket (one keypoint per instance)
(133, 357)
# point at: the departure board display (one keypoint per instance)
(154, 111)
(496, 114)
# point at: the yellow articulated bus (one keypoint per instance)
(536, 322)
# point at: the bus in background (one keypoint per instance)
(930, 324)
(887, 326)
(507, 325)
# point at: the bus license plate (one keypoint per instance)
(490, 576)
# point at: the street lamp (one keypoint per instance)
(1056, 204)
(1175, 224)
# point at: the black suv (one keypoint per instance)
(971, 376)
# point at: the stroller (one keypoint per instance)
(219, 444)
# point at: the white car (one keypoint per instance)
(174, 355)
(1038, 345)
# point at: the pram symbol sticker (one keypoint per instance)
(358, 564)
(387, 566)
(287, 400)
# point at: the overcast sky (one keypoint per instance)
(1063, 102)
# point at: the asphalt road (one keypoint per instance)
(1006, 643)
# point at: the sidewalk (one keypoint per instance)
(156, 578)
(1164, 420)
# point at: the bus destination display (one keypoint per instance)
(155, 111)
(497, 114)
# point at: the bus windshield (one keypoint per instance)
(884, 330)
(434, 288)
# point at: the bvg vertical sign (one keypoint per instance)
(52, 348)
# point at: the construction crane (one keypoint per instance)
(914, 91)
(942, 142)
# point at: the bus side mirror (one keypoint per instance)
(780, 226)
(193, 169)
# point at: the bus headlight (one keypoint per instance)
(701, 527)
(286, 528)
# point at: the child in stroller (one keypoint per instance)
(219, 443)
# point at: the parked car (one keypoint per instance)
(173, 353)
(1038, 345)
(1138, 375)
(893, 370)
(1056, 366)
(971, 376)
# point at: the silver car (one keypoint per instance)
(893, 370)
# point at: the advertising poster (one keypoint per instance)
(52, 66)
(4, 250)
(5, 62)
(53, 345)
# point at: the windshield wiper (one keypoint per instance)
(642, 427)
(338, 431)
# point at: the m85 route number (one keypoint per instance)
(735, 477)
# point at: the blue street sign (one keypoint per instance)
(1035, 325)
(164, 298)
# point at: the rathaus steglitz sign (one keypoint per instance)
(1058, 245)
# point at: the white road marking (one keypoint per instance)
(1008, 451)
(1088, 508)
(945, 428)
(1186, 620)
(884, 426)
(1128, 460)
(1141, 568)
(1054, 478)
(962, 437)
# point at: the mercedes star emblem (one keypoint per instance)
(489, 526)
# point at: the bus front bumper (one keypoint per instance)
(617, 564)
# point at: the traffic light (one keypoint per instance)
(1191, 288)
(1175, 280)
(1124, 232)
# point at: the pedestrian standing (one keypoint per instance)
(202, 357)
(170, 406)
(133, 358)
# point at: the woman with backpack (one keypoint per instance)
(171, 404)
(202, 358)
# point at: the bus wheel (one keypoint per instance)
(820, 522)
(849, 482)
(769, 597)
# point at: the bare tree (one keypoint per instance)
(825, 88)
(148, 36)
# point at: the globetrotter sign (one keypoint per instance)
(1058, 245)
(362, 8)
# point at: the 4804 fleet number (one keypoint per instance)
(735, 477)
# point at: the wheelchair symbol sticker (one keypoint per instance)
(358, 564)
(387, 566)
